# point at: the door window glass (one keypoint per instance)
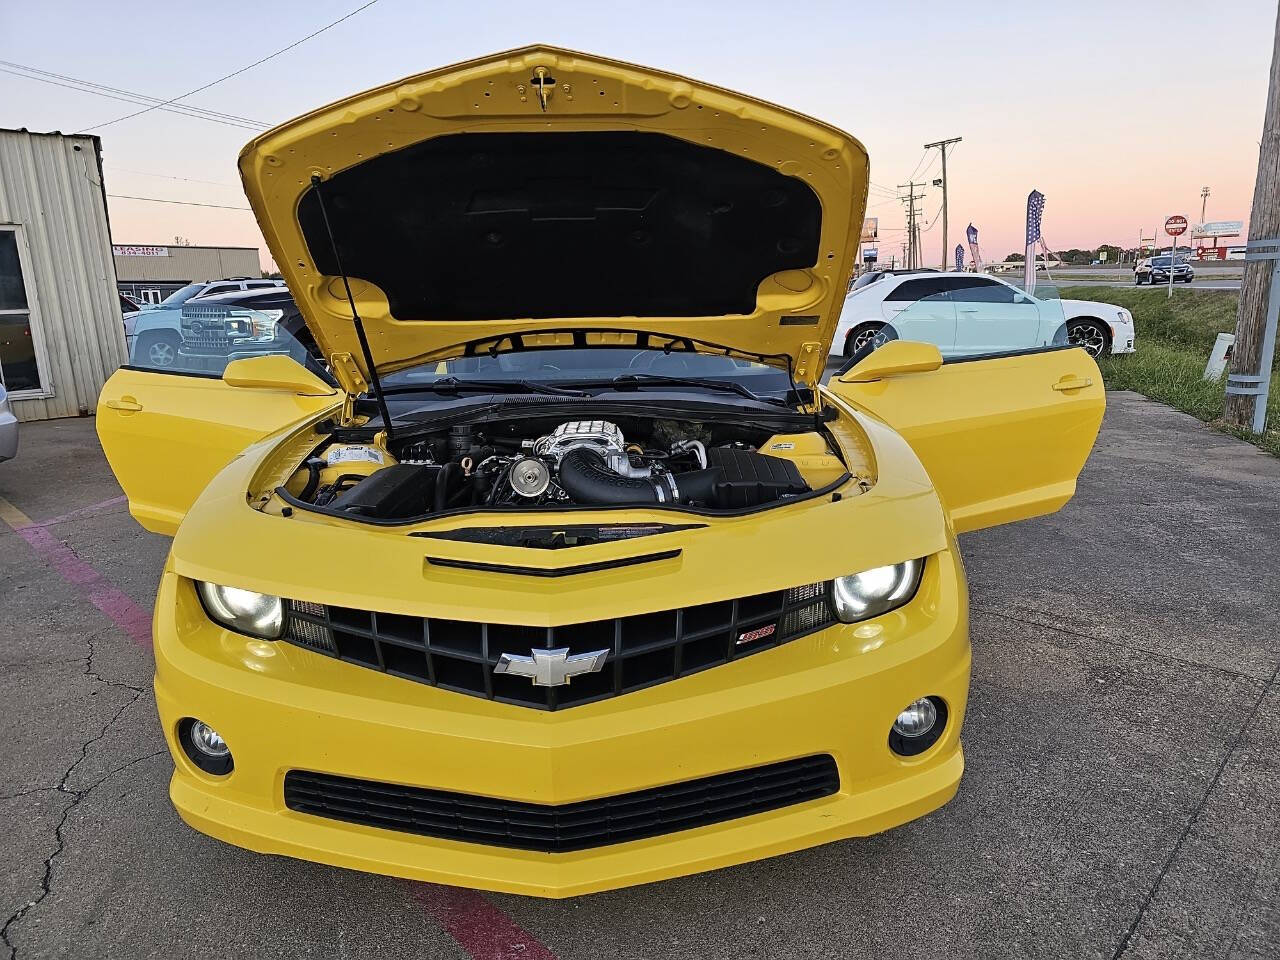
(18, 368)
(980, 290)
(202, 337)
(912, 290)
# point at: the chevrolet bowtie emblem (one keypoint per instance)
(551, 668)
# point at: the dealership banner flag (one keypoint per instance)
(959, 257)
(1035, 213)
(972, 235)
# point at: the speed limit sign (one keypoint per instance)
(1175, 226)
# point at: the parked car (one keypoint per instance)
(228, 326)
(593, 595)
(1156, 270)
(967, 313)
(871, 276)
(154, 337)
(8, 428)
(156, 325)
(128, 305)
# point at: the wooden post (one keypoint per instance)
(1264, 224)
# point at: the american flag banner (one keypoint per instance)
(1035, 213)
(959, 257)
(972, 235)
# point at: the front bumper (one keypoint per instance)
(8, 435)
(834, 692)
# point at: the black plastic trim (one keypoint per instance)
(565, 827)
(571, 571)
(293, 501)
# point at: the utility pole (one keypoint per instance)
(942, 145)
(1204, 200)
(1249, 353)
(913, 237)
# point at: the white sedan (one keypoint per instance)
(972, 313)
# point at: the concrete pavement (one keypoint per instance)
(1122, 794)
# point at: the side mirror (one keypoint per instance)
(274, 372)
(894, 358)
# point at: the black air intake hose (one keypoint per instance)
(447, 480)
(586, 479)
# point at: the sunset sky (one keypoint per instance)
(1118, 112)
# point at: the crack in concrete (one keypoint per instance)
(77, 796)
(1125, 940)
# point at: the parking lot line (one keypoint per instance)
(480, 928)
(115, 605)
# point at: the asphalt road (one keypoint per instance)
(1122, 794)
(1199, 283)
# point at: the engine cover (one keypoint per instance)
(599, 435)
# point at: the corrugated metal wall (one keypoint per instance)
(190, 264)
(52, 185)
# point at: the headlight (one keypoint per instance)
(244, 611)
(870, 593)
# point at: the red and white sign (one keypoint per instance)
(1175, 226)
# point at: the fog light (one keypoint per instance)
(918, 726)
(204, 746)
(915, 721)
(208, 740)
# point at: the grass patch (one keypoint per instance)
(1174, 339)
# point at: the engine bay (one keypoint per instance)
(550, 464)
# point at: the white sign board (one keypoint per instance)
(120, 250)
(1218, 228)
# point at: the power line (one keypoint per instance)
(128, 93)
(235, 73)
(167, 176)
(181, 203)
(181, 110)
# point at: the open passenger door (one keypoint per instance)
(1003, 436)
(167, 431)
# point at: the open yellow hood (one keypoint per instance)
(544, 197)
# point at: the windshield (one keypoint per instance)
(182, 295)
(570, 365)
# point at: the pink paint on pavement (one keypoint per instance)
(480, 928)
(114, 604)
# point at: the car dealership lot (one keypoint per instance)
(1123, 741)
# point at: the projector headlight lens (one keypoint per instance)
(257, 614)
(870, 593)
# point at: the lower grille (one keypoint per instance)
(643, 650)
(565, 827)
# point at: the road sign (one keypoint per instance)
(1175, 226)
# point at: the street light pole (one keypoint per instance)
(942, 145)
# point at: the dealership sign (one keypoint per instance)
(123, 251)
(1218, 228)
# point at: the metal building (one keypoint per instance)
(150, 272)
(61, 333)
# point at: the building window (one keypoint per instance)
(19, 371)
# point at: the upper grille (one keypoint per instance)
(564, 827)
(644, 649)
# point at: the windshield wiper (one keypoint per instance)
(452, 384)
(624, 380)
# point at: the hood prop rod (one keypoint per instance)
(374, 382)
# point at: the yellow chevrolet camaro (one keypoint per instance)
(557, 568)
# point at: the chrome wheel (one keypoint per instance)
(863, 337)
(161, 354)
(1090, 335)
